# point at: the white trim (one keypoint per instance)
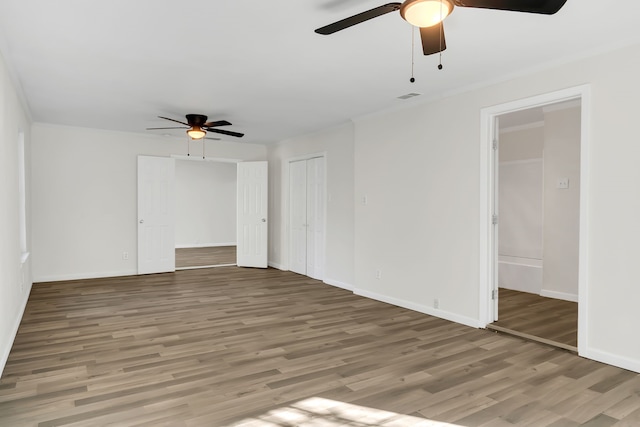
(612, 359)
(487, 133)
(24, 256)
(559, 295)
(532, 125)
(205, 245)
(522, 162)
(82, 276)
(583, 258)
(452, 317)
(14, 331)
(339, 284)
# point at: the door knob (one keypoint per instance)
(264, 220)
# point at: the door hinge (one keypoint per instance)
(494, 294)
(495, 145)
(494, 219)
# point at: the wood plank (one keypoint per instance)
(547, 320)
(231, 347)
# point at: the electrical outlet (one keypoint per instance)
(125, 255)
(378, 274)
(436, 303)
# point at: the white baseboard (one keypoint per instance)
(4, 352)
(80, 276)
(559, 295)
(278, 266)
(453, 317)
(205, 245)
(339, 284)
(612, 359)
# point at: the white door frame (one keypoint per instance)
(286, 220)
(488, 133)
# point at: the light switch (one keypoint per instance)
(562, 183)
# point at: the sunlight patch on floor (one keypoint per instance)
(320, 412)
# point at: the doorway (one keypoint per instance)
(156, 213)
(538, 196)
(307, 216)
(205, 214)
(532, 262)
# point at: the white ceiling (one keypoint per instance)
(117, 64)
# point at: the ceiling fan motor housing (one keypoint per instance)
(196, 119)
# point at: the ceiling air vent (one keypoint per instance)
(409, 95)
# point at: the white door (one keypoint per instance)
(298, 216)
(496, 180)
(306, 217)
(315, 218)
(252, 214)
(156, 215)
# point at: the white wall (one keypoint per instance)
(522, 144)
(419, 169)
(84, 197)
(15, 271)
(205, 203)
(561, 206)
(337, 146)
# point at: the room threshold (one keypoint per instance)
(197, 267)
(530, 337)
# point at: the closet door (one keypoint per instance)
(315, 217)
(298, 216)
(306, 214)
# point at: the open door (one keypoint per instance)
(252, 214)
(156, 215)
(494, 219)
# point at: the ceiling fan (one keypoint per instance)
(429, 14)
(197, 126)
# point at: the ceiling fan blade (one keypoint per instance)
(226, 132)
(214, 124)
(177, 121)
(433, 39)
(547, 7)
(359, 18)
(166, 128)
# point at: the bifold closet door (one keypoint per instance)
(298, 216)
(306, 198)
(315, 217)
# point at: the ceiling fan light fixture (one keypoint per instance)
(425, 13)
(196, 132)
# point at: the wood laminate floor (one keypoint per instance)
(205, 257)
(250, 347)
(551, 320)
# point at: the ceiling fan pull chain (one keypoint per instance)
(188, 150)
(441, 31)
(202, 148)
(413, 38)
